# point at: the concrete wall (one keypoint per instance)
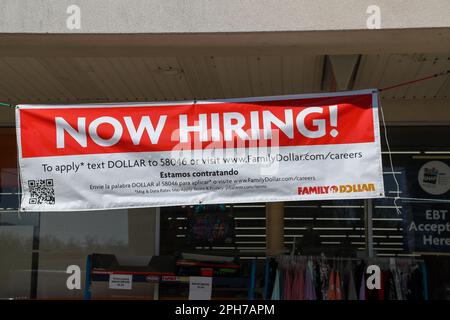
(198, 16)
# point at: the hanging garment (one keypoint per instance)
(351, 295)
(281, 283)
(377, 294)
(381, 292)
(318, 281)
(310, 293)
(297, 287)
(359, 272)
(345, 279)
(404, 284)
(276, 287)
(314, 280)
(273, 266)
(324, 270)
(342, 292)
(362, 288)
(287, 285)
(386, 290)
(338, 287)
(397, 282)
(423, 270)
(331, 293)
(415, 285)
(301, 287)
(390, 291)
(294, 286)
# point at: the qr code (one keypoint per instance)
(41, 191)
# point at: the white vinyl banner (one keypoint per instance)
(285, 148)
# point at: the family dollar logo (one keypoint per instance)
(343, 188)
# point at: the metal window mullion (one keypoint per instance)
(157, 243)
(368, 223)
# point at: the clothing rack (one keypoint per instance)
(404, 265)
(350, 258)
(375, 260)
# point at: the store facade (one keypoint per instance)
(178, 59)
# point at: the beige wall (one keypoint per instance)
(205, 16)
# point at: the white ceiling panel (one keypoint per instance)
(107, 79)
(387, 70)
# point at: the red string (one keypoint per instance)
(414, 81)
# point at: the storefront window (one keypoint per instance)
(339, 228)
(37, 248)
